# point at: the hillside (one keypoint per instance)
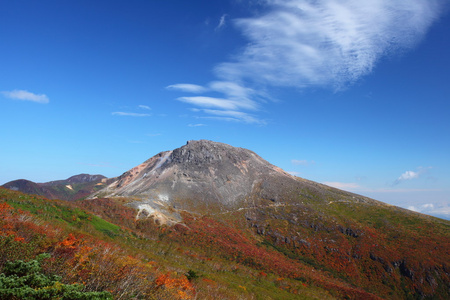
(212, 221)
(73, 188)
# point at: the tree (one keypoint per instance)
(24, 281)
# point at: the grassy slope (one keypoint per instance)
(311, 249)
(383, 249)
(128, 258)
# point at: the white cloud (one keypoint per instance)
(440, 211)
(26, 96)
(212, 102)
(334, 42)
(129, 114)
(413, 208)
(231, 115)
(304, 43)
(409, 175)
(431, 208)
(222, 22)
(348, 186)
(233, 90)
(144, 107)
(187, 87)
(428, 206)
(236, 98)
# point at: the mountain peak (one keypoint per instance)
(200, 176)
(84, 178)
(201, 152)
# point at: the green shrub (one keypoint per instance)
(24, 280)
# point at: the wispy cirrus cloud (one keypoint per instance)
(222, 22)
(215, 102)
(305, 43)
(327, 42)
(236, 100)
(129, 114)
(187, 87)
(26, 96)
(144, 107)
(235, 95)
(233, 116)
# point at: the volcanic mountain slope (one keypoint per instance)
(204, 191)
(73, 188)
(209, 172)
(210, 177)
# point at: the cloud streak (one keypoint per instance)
(26, 96)
(216, 102)
(325, 43)
(187, 87)
(306, 43)
(129, 114)
(222, 22)
(236, 100)
(230, 116)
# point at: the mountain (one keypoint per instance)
(379, 248)
(202, 176)
(73, 188)
(210, 177)
(212, 221)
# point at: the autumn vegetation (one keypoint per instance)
(99, 249)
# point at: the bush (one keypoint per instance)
(24, 280)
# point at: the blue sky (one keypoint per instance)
(353, 94)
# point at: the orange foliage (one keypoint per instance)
(179, 287)
(69, 242)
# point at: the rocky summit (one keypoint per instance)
(206, 177)
(200, 175)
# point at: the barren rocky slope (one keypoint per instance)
(210, 177)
